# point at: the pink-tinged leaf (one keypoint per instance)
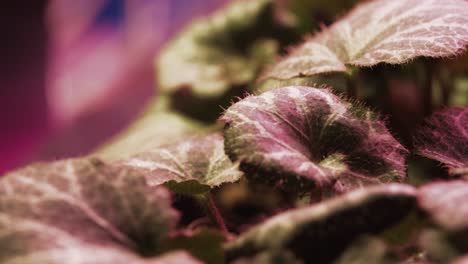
(192, 166)
(461, 260)
(381, 31)
(82, 211)
(300, 135)
(445, 202)
(319, 233)
(444, 137)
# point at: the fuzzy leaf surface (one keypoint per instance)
(223, 50)
(444, 137)
(300, 135)
(82, 211)
(381, 31)
(317, 234)
(445, 202)
(192, 166)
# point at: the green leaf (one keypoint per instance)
(82, 211)
(205, 245)
(220, 51)
(381, 31)
(319, 233)
(298, 136)
(157, 126)
(192, 166)
(365, 249)
(439, 246)
(218, 57)
(309, 16)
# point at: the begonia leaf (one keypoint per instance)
(444, 137)
(445, 202)
(318, 233)
(83, 211)
(297, 135)
(192, 166)
(381, 31)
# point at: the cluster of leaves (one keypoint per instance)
(300, 171)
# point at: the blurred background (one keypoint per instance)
(74, 73)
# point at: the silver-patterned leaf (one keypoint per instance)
(81, 211)
(297, 135)
(192, 166)
(381, 31)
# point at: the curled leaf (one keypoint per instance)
(444, 137)
(297, 135)
(192, 166)
(381, 31)
(317, 234)
(82, 211)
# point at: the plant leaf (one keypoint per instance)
(157, 126)
(295, 135)
(438, 246)
(81, 211)
(461, 260)
(205, 245)
(445, 202)
(365, 249)
(317, 234)
(223, 50)
(444, 137)
(381, 31)
(191, 167)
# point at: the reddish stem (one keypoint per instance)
(215, 213)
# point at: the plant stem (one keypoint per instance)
(352, 83)
(427, 89)
(210, 206)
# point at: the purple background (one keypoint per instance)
(75, 73)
